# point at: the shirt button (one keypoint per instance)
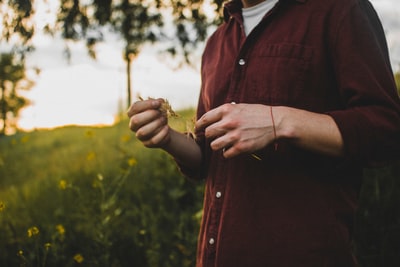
(218, 194)
(211, 241)
(242, 62)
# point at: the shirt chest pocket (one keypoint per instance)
(277, 74)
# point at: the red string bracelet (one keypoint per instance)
(273, 126)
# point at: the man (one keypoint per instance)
(297, 97)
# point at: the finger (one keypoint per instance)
(208, 118)
(223, 142)
(151, 128)
(231, 145)
(229, 152)
(214, 131)
(214, 115)
(158, 139)
(219, 145)
(141, 106)
(139, 120)
(238, 148)
(222, 127)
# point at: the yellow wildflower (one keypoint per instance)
(95, 184)
(126, 138)
(47, 246)
(2, 206)
(62, 185)
(78, 258)
(89, 133)
(142, 232)
(33, 231)
(25, 139)
(20, 252)
(91, 156)
(60, 229)
(132, 162)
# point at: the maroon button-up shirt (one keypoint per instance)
(294, 208)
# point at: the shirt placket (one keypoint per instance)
(217, 196)
(219, 190)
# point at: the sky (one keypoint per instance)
(88, 92)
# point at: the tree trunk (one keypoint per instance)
(128, 78)
(3, 109)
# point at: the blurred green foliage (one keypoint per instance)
(397, 79)
(377, 230)
(94, 197)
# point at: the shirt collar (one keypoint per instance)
(234, 7)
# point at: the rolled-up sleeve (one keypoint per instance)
(370, 121)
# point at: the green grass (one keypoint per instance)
(92, 196)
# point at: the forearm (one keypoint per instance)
(184, 149)
(312, 131)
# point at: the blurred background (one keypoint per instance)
(76, 189)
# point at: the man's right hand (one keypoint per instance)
(149, 123)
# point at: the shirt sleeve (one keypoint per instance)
(370, 122)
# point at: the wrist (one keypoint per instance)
(166, 143)
(284, 123)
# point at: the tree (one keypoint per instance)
(134, 21)
(192, 24)
(13, 79)
(17, 28)
(138, 23)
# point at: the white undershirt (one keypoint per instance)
(253, 15)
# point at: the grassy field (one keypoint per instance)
(94, 197)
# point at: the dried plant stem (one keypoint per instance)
(166, 109)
